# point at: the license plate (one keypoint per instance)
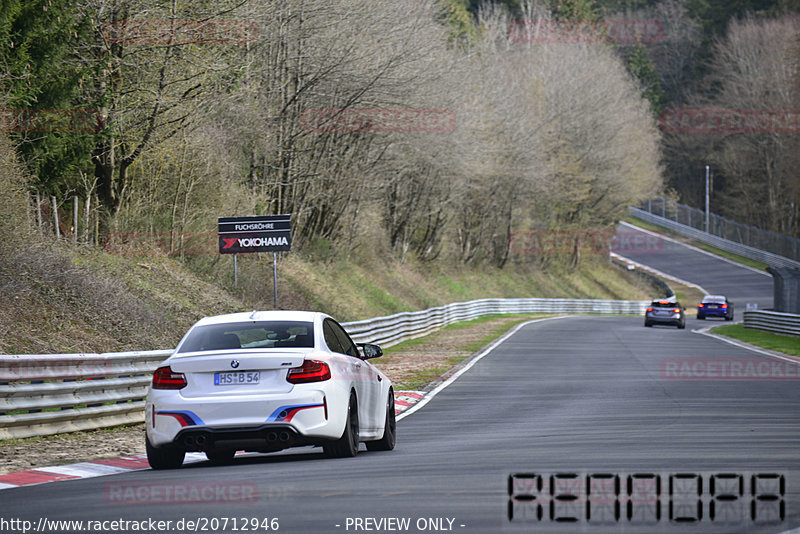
(713, 306)
(237, 378)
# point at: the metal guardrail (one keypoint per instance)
(724, 244)
(54, 393)
(770, 321)
(752, 236)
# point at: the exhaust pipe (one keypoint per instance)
(200, 440)
(189, 441)
(272, 436)
(285, 436)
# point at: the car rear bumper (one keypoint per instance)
(264, 438)
(674, 320)
(306, 414)
(713, 313)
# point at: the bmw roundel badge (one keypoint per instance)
(234, 363)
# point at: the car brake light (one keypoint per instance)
(724, 306)
(166, 378)
(650, 309)
(700, 305)
(677, 310)
(310, 371)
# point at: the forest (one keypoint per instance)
(432, 129)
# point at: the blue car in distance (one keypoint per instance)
(715, 306)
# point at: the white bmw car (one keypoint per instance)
(265, 381)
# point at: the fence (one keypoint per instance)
(751, 236)
(723, 244)
(53, 393)
(780, 323)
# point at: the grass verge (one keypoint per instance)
(417, 363)
(767, 340)
(688, 296)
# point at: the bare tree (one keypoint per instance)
(755, 68)
(152, 64)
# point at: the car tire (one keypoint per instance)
(386, 443)
(220, 457)
(648, 324)
(347, 445)
(701, 317)
(728, 318)
(681, 326)
(163, 457)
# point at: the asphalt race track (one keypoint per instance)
(562, 404)
(717, 276)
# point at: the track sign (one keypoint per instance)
(263, 233)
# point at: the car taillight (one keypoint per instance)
(650, 309)
(166, 378)
(677, 310)
(700, 305)
(310, 371)
(724, 306)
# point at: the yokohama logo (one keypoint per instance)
(257, 242)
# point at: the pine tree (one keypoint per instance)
(41, 85)
(642, 68)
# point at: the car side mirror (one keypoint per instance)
(370, 350)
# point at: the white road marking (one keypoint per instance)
(467, 367)
(746, 346)
(83, 469)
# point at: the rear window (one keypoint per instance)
(250, 335)
(714, 300)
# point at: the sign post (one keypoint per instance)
(275, 279)
(261, 233)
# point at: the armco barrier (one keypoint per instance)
(780, 323)
(724, 244)
(54, 393)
